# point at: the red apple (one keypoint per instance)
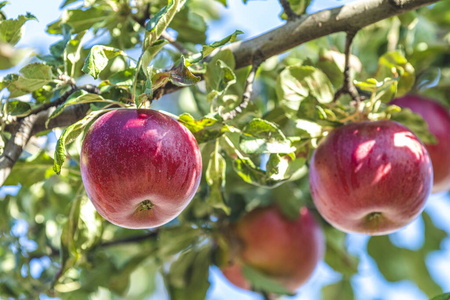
(285, 250)
(140, 167)
(370, 177)
(438, 120)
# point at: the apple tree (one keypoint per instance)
(142, 154)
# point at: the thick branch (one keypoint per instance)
(26, 127)
(350, 17)
(14, 147)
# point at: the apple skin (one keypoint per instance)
(285, 250)
(370, 177)
(438, 120)
(129, 156)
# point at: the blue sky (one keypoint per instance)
(255, 18)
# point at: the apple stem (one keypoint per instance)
(374, 217)
(146, 205)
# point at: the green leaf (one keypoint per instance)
(415, 123)
(250, 173)
(33, 169)
(9, 57)
(445, 296)
(73, 48)
(98, 58)
(80, 233)
(79, 97)
(337, 256)
(190, 26)
(394, 65)
(160, 21)
(57, 49)
(339, 290)
(33, 77)
(188, 275)
(261, 282)
(69, 254)
(207, 49)
(179, 75)
(261, 136)
(11, 30)
(123, 78)
(150, 53)
(219, 74)
(296, 83)
(69, 135)
(215, 177)
(405, 264)
(175, 239)
(67, 2)
(90, 227)
(120, 280)
(80, 19)
(204, 130)
(18, 108)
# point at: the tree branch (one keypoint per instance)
(132, 239)
(247, 91)
(20, 136)
(124, 241)
(291, 15)
(347, 86)
(175, 43)
(24, 128)
(347, 18)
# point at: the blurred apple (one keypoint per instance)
(284, 250)
(438, 120)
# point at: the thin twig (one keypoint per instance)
(132, 239)
(348, 87)
(124, 241)
(88, 88)
(175, 43)
(291, 15)
(247, 92)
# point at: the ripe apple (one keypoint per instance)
(370, 177)
(140, 168)
(438, 120)
(285, 250)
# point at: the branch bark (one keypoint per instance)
(347, 18)
(350, 17)
(28, 126)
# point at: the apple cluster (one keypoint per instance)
(141, 168)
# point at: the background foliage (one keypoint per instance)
(258, 158)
